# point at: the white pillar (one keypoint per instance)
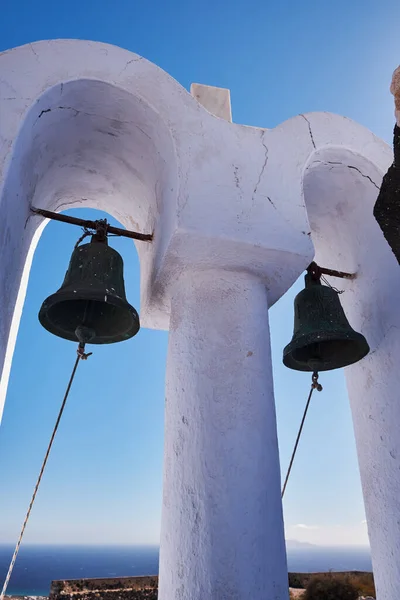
(374, 392)
(222, 534)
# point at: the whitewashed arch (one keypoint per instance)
(89, 124)
(341, 183)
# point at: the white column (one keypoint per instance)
(222, 532)
(374, 391)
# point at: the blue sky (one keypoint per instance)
(103, 482)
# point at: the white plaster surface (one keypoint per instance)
(115, 132)
(222, 510)
(340, 191)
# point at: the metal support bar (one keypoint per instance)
(317, 271)
(143, 237)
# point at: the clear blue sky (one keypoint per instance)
(103, 482)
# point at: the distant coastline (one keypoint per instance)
(27, 597)
(115, 588)
(38, 565)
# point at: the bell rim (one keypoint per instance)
(97, 296)
(295, 365)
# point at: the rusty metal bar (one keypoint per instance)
(143, 237)
(340, 274)
(318, 271)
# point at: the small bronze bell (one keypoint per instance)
(91, 305)
(322, 338)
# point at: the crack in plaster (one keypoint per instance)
(309, 129)
(144, 133)
(185, 178)
(383, 338)
(81, 112)
(263, 167)
(43, 111)
(70, 108)
(235, 170)
(34, 52)
(362, 174)
(69, 203)
(332, 162)
(15, 97)
(137, 59)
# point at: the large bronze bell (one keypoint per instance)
(322, 338)
(91, 305)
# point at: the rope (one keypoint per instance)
(81, 356)
(314, 386)
(86, 232)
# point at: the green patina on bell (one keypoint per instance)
(323, 338)
(91, 302)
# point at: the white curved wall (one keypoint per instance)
(114, 132)
(340, 191)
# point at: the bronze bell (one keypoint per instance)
(91, 305)
(322, 338)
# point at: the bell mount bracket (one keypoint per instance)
(100, 227)
(315, 271)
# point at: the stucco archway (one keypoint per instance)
(86, 143)
(340, 189)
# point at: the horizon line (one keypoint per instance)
(157, 545)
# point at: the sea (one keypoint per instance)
(37, 566)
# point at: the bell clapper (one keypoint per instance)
(84, 335)
(81, 352)
(315, 385)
